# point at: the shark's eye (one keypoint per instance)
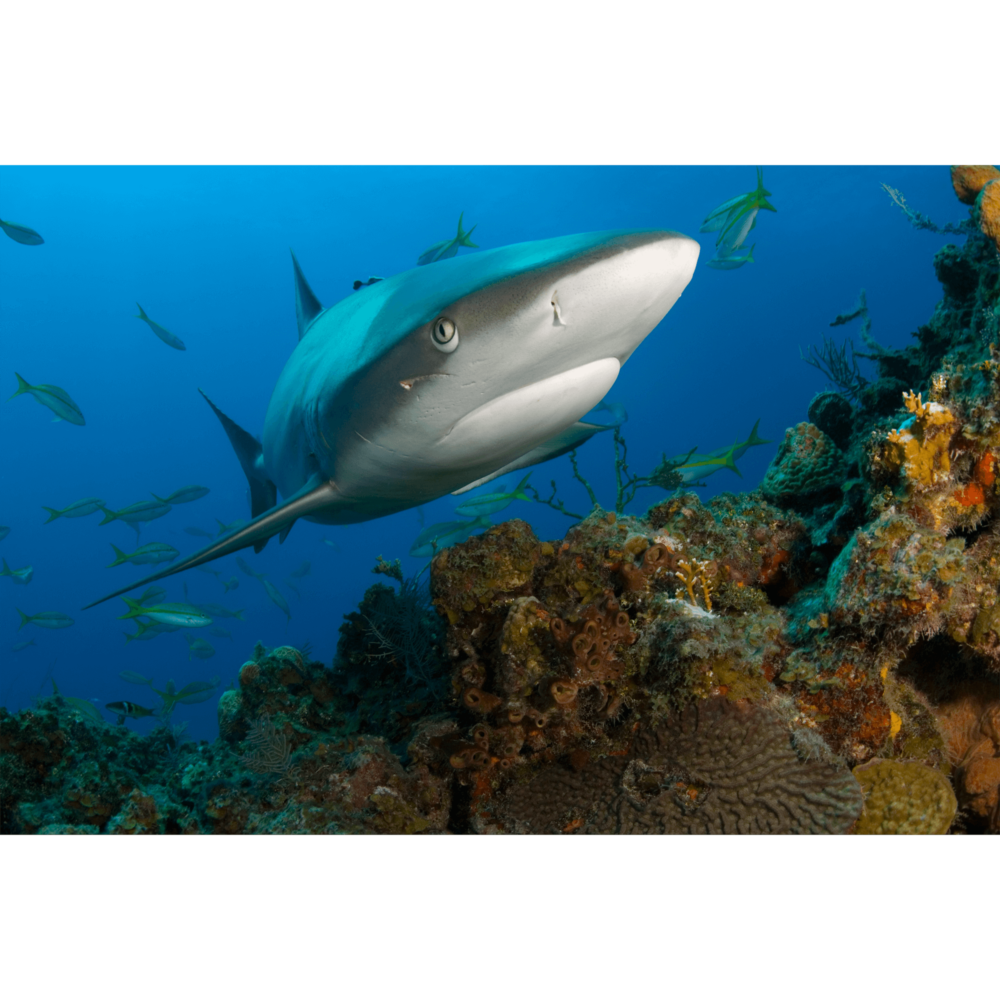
(444, 333)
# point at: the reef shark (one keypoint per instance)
(445, 376)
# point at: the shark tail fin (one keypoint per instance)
(22, 387)
(307, 306)
(315, 495)
(263, 493)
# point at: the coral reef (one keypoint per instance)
(969, 181)
(716, 768)
(988, 210)
(807, 465)
(970, 721)
(904, 797)
(821, 655)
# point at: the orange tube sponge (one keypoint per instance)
(969, 181)
(989, 211)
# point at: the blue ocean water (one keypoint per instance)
(205, 250)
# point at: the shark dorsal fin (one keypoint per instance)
(307, 306)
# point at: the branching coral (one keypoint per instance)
(920, 221)
(695, 577)
(268, 751)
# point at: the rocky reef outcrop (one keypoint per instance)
(821, 655)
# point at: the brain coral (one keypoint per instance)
(969, 181)
(716, 768)
(808, 462)
(904, 798)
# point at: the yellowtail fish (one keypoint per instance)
(733, 262)
(698, 466)
(144, 634)
(198, 533)
(231, 584)
(56, 399)
(79, 509)
(4, 531)
(247, 569)
(44, 619)
(153, 553)
(295, 590)
(22, 576)
(85, 709)
(190, 694)
(157, 628)
(24, 644)
(165, 335)
(304, 570)
(137, 514)
(152, 595)
(222, 633)
(448, 248)
(184, 615)
(128, 710)
(21, 234)
(133, 678)
(185, 494)
(439, 536)
(725, 217)
(234, 526)
(199, 648)
(276, 597)
(333, 545)
(218, 611)
(491, 503)
(208, 570)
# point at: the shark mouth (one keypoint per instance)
(520, 420)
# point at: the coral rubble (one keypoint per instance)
(821, 655)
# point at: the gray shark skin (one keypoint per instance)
(438, 378)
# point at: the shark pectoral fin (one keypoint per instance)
(565, 441)
(307, 306)
(315, 495)
(263, 493)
